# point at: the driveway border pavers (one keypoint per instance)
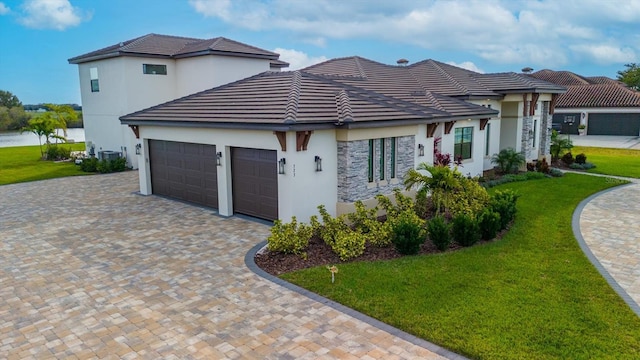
(575, 225)
(250, 263)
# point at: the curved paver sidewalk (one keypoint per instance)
(89, 269)
(609, 223)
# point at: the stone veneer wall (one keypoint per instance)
(527, 139)
(353, 165)
(545, 132)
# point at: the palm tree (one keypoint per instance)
(508, 160)
(440, 180)
(559, 145)
(43, 125)
(62, 114)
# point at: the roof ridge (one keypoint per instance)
(360, 68)
(343, 105)
(449, 76)
(291, 110)
(429, 95)
(135, 42)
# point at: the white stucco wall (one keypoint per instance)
(300, 190)
(205, 72)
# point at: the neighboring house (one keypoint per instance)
(277, 145)
(605, 106)
(152, 69)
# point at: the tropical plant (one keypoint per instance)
(440, 180)
(508, 160)
(62, 115)
(43, 126)
(559, 145)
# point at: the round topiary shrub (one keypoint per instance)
(489, 222)
(407, 233)
(581, 158)
(567, 158)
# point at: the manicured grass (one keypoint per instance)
(531, 295)
(620, 162)
(22, 163)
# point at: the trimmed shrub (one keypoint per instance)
(408, 234)
(585, 166)
(290, 238)
(348, 244)
(56, 152)
(581, 158)
(543, 166)
(531, 166)
(567, 158)
(439, 232)
(534, 175)
(556, 173)
(465, 230)
(331, 227)
(89, 165)
(504, 203)
(489, 222)
(469, 198)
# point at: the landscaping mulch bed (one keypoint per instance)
(319, 253)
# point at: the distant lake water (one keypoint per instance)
(15, 138)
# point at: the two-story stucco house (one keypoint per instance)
(277, 145)
(152, 69)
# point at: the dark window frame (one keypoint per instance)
(95, 85)
(154, 69)
(463, 149)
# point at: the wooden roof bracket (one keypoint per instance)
(431, 129)
(282, 139)
(552, 105)
(483, 123)
(448, 126)
(302, 140)
(532, 105)
(136, 130)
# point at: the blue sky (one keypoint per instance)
(589, 37)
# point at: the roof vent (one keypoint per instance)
(121, 44)
(402, 62)
(527, 70)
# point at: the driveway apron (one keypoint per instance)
(90, 269)
(609, 227)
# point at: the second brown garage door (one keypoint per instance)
(255, 182)
(184, 171)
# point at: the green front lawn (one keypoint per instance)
(620, 162)
(22, 163)
(531, 295)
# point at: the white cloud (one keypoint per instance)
(606, 54)
(4, 9)
(537, 33)
(298, 59)
(51, 14)
(467, 65)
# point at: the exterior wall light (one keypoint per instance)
(219, 158)
(281, 164)
(420, 150)
(318, 161)
(138, 149)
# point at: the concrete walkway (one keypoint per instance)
(89, 269)
(607, 226)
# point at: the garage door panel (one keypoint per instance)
(255, 182)
(184, 171)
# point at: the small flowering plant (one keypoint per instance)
(334, 270)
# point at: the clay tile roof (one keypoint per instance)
(298, 98)
(598, 95)
(565, 78)
(514, 82)
(174, 47)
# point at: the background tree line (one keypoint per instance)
(14, 116)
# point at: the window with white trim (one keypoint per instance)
(93, 75)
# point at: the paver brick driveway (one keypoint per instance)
(89, 269)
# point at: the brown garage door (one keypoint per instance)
(255, 182)
(184, 171)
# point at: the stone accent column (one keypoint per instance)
(545, 130)
(527, 129)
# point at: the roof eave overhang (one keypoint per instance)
(531, 90)
(301, 126)
(114, 55)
